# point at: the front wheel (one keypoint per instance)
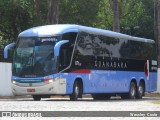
(36, 97)
(76, 92)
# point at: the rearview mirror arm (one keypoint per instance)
(7, 47)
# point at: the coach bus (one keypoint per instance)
(74, 60)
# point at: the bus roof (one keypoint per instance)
(51, 30)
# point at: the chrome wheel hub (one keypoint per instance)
(76, 90)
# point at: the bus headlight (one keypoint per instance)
(14, 82)
(48, 80)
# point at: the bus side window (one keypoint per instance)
(65, 56)
(66, 50)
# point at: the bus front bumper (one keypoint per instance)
(56, 87)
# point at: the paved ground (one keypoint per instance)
(85, 104)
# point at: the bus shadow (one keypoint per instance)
(89, 99)
(113, 99)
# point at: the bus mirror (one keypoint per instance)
(58, 46)
(7, 48)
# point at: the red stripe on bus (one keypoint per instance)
(85, 71)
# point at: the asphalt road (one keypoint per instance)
(85, 104)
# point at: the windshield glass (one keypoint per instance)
(34, 57)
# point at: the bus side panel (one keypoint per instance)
(70, 79)
(111, 81)
(102, 81)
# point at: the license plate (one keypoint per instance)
(31, 90)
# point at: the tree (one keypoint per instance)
(14, 18)
(37, 9)
(116, 16)
(116, 11)
(157, 27)
(135, 16)
(53, 12)
(82, 12)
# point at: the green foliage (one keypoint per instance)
(105, 15)
(139, 20)
(14, 18)
(136, 16)
(83, 12)
(156, 102)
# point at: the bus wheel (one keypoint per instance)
(132, 91)
(101, 96)
(36, 97)
(140, 91)
(76, 92)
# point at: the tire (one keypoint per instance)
(140, 91)
(77, 92)
(101, 96)
(36, 97)
(132, 91)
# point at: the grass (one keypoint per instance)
(156, 102)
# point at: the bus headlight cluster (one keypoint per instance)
(13, 81)
(48, 80)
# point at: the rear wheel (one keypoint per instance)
(77, 91)
(140, 91)
(132, 91)
(36, 97)
(101, 96)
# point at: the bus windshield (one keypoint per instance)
(34, 57)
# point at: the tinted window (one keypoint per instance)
(99, 45)
(66, 50)
(138, 50)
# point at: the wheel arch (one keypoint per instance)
(80, 82)
(77, 90)
(135, 81)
